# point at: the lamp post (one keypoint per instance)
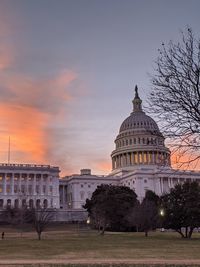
(162, 214)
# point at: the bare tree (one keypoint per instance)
(175, 96)
(40, 219)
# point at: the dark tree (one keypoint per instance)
(175, 96)
(182, 208)
(40, 219)
(145, 216)
(109, 206)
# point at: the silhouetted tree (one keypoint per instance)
(145, 216)
(109, 206)
(182, 208)
(175, 97)
(40, 219)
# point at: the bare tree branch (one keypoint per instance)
(175, 96)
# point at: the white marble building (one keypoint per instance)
(140, 161)
(29, 185)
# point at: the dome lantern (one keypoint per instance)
(137, 102)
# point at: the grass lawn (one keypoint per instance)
(70, 244)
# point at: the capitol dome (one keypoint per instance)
(139, 141)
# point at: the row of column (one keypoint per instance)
(25, 182)
(146, 157)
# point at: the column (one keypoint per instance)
(41, 185)
(26, 184)
(12, 184)
(20, 183)
(63, 195)
(4, 184)
(34, 184)
(127, 159)
(148, 158)
(134, 155)
(142, 157)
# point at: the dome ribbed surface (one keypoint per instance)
(139, 121)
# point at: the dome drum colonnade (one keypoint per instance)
(139, 140)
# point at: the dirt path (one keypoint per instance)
(97, 261)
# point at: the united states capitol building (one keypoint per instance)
(140, 161)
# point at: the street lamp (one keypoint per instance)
(162, 212)
(88, 221)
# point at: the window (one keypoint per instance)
(8, 188)
(23, 189)
(30, 189)
(15, 189)
(145, 181)
(44, 189)
(82, 193)
(82, 185)
(51, 189)
(37, 189)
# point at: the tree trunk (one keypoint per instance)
(179, 231)
(102, 231)
(39, 236)
(146, 233)
(186, 232)
(190, 232)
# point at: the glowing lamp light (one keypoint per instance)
(162, 213)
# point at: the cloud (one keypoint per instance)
(28, 108)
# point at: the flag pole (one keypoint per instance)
(9, 150)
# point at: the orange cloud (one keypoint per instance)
(27, 108)
(25, 126)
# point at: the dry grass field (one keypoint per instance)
(66, 244)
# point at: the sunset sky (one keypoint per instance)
(68, 69)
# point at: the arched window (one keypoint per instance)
(9, 203)
(31, 205)
(23, 203)
(45, 203)
(82, 194)
(16, 203)
(38, 206)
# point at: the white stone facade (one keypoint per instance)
(29, 185)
